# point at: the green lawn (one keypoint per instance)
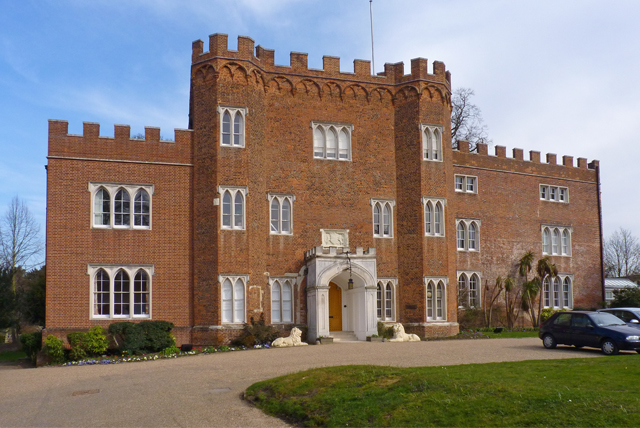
(12, 355)
(510, 334)
(577, 392)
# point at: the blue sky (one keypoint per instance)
(557, 77)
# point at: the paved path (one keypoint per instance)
(205, 390)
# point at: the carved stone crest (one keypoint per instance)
(335, 238)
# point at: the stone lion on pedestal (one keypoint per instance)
(400, 336)
(292, 340)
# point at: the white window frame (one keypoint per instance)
(382, 204)
(112, 270)
(550, 300)
(429, 219)
(464, 293)
(281, 281)
(465, 183)
(466, 223)
(431, 136)
(112, 189)
(233, 191)
(431, 303)
(280, 198)
(233, 279)
(552, 193)
(382, 306)
(548, 231)
(233, 112)
(338, 128)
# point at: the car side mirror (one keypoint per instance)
(634, 321)
(590, 327)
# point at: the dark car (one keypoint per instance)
(592, 329)
(629, 315)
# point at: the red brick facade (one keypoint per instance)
(191, 251)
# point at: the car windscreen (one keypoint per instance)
(603, 319)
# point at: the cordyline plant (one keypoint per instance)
(533, 289)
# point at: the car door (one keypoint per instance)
(561, 328)
(629, 317)
(583, 331)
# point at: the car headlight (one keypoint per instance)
(633, 338)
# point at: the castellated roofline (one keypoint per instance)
(264, 59)
(122, 133)
(534, 156)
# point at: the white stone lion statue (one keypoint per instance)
(292, 340)
(400, 336)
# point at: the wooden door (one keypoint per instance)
(335, 307)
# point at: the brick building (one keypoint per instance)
(318, 198)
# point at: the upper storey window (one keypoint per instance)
(332, 140)
(433, 216)
(382, 218)
(556, 240)
(554, 193)
(233, 207)
(112, 205)
(280, 210)
(466, 184)
(232, 125)
(431, 142)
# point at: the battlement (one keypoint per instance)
(265, 60)
(121, 146)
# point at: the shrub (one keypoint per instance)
(147, 336)
(95, 341)
(157, 335)
(128, 336)
(170, 350)
(54, 348)
(257, 333)
(31, 344)
(548, 312)
(76, 342)
(386, 332)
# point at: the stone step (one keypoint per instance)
(343, 336)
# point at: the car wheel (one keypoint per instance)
(609, 347)
(549, 341)
(578, 346)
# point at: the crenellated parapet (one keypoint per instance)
(567, 168)
(91, 145)
(255, 65)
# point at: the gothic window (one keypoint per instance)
(281, 301)
(233, 207)
(233, 307)
(382, 218)
(433, 216)
(111, 205)
(558, 291)
(385, 299)
(556, 240)
(436, 303)
(281, 213)
(232, 129)
(431, 142)
(468, 235)
(114, 295)
(332, 141)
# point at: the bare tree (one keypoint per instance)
(20, 242)
(466, 120)
(621, 254)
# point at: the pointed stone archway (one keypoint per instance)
(358, 305)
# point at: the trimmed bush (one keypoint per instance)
(77, 351)
(386, 332)
(257, 333)
(157, 335)
(95, 341)
(147, 336)
(54, 348)
(31, 344)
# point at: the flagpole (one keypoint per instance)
(373, 60)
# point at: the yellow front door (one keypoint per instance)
(335, 307)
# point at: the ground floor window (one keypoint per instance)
(120, 291)
(281, 300)
(436, 298)
(469, 289)
(557, 291)
(385, 299)
(233, 299)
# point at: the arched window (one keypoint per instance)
(546, 286)
(276, 314)
(101, 208)
(430, 300)
(122, 208)
(379, 301)
(227, 302)
(226, 210)
(238, 302)
(101, 293)
(318, 142)
(238, 211)
(473, 241)
(439, 229)
(331, 141)
(431, 142)
(556, 292)
(565, 242)
(343, 145)
(141, 293)
(275, 215)
(141, 209)
(474, 292)
(440, 301)
(428, 144)
(332, 144)
(287, 300)
(546, 241)
(461, 236)
(428, 219)
(463, 291)
(436, 144)
(566, 293)
(386, 220)
(226, 129)
(555, 240)
(376, 220)
(121, 294)
(388, 302)
(286, 216)
(238, 129)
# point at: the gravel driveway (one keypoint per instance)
(205, 390)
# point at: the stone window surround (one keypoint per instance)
(112, 270)
(394, 284)
(233, 278)
(112, 189)
(233, 110)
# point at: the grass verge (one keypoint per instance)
(576, 392)
(510, 334)
(12, 356)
